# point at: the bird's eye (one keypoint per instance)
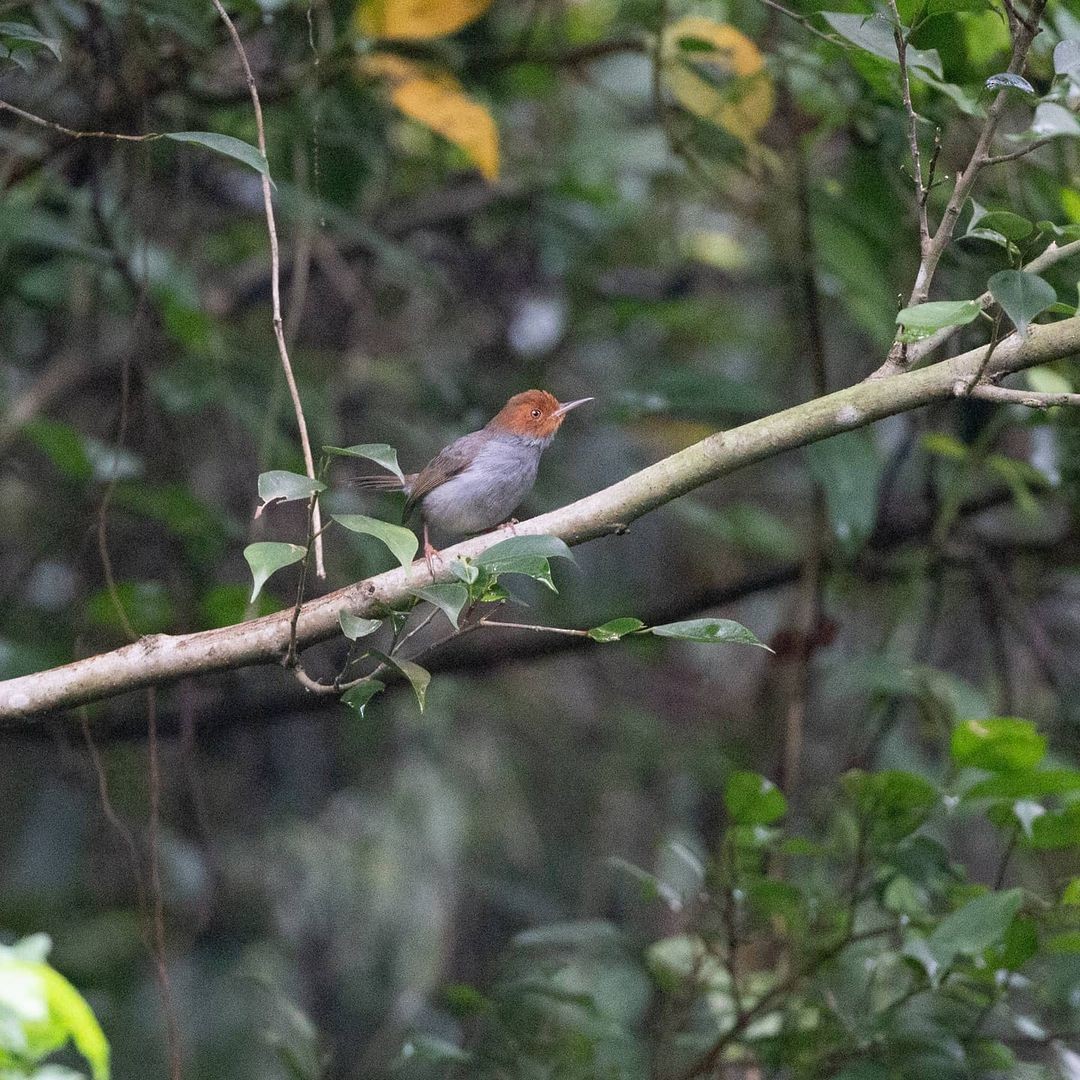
(536, 414)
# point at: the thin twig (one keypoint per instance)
(921, 189)
(539, 629)
(997, 159)
(980, 371)
(72, 133)
(1029, 398)
(803, 21)
(275, 279)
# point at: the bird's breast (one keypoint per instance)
(488, 490)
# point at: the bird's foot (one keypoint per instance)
(509, 525)
(431, 553)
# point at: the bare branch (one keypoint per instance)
(275, 281)
(1030, 398)
(72, 133)
(997, 159)
(921, 190)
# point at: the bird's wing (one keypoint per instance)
(449, 461)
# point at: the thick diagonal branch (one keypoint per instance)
(163, 658)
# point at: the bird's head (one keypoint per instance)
(533, 414)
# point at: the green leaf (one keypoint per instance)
(1056, 830)
(713, 631)
(892, 803)
(615, 629)
(450, 598)
(1026, 785)
(49, 1010)
(268, 558)
(354, 626)
(874, 33)
(358, 696)
(464, 571)
(1021, 295)
(752, 799)
(999, 744)
(282, 486)
(1003, 222)
(1045, 380)
(401, 542)
(418, 677)
(16, 31)
(380, 453)
(848, 468)
(1070, 895)
(976, 926)
(515, 548)
(922, 320)
(226, 145)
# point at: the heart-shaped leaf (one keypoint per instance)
(713, 631)
(268, 558)
(418, 677)
(380, 453)
(353, 626)
(226, 145)
(449, 598)
(400, 541)
(1021, 295)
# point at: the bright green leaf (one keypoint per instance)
(615, 629)
(354, 626)
(450, 598)
(999, 744)
(713, 631)
(226, 145)
(380, 453)
(1070, 895)
(922, 320)
(401, 542)
(1021, 295)
(752, 799)
(268, 558)
(282, 486)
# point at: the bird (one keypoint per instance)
(477, 482)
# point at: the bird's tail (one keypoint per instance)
(374, 483)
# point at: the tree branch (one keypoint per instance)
(1030, 398)
(163, 658)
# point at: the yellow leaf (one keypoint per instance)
(436, 99)
(718, 73)
(416, 20)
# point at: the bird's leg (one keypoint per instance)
(509, 525)
(431, 553)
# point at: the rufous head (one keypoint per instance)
(533, 414)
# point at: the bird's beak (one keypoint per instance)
(563, 409)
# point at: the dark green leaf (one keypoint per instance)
(282, 486)
(417, 676)
(1021, 295)
(713, 631)
(449, 598)
(892, 803)
(353, 626)
(976, 926)
(522, 547)
(464, 571)
(874, 33)
(615, 629)
(999, 744)
(401, 542)
(357, 697)
(752, 799)
(380, 453)
(925, 319)
(226, 145)
(267, 558)
(1003, 222)
(848, 468)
